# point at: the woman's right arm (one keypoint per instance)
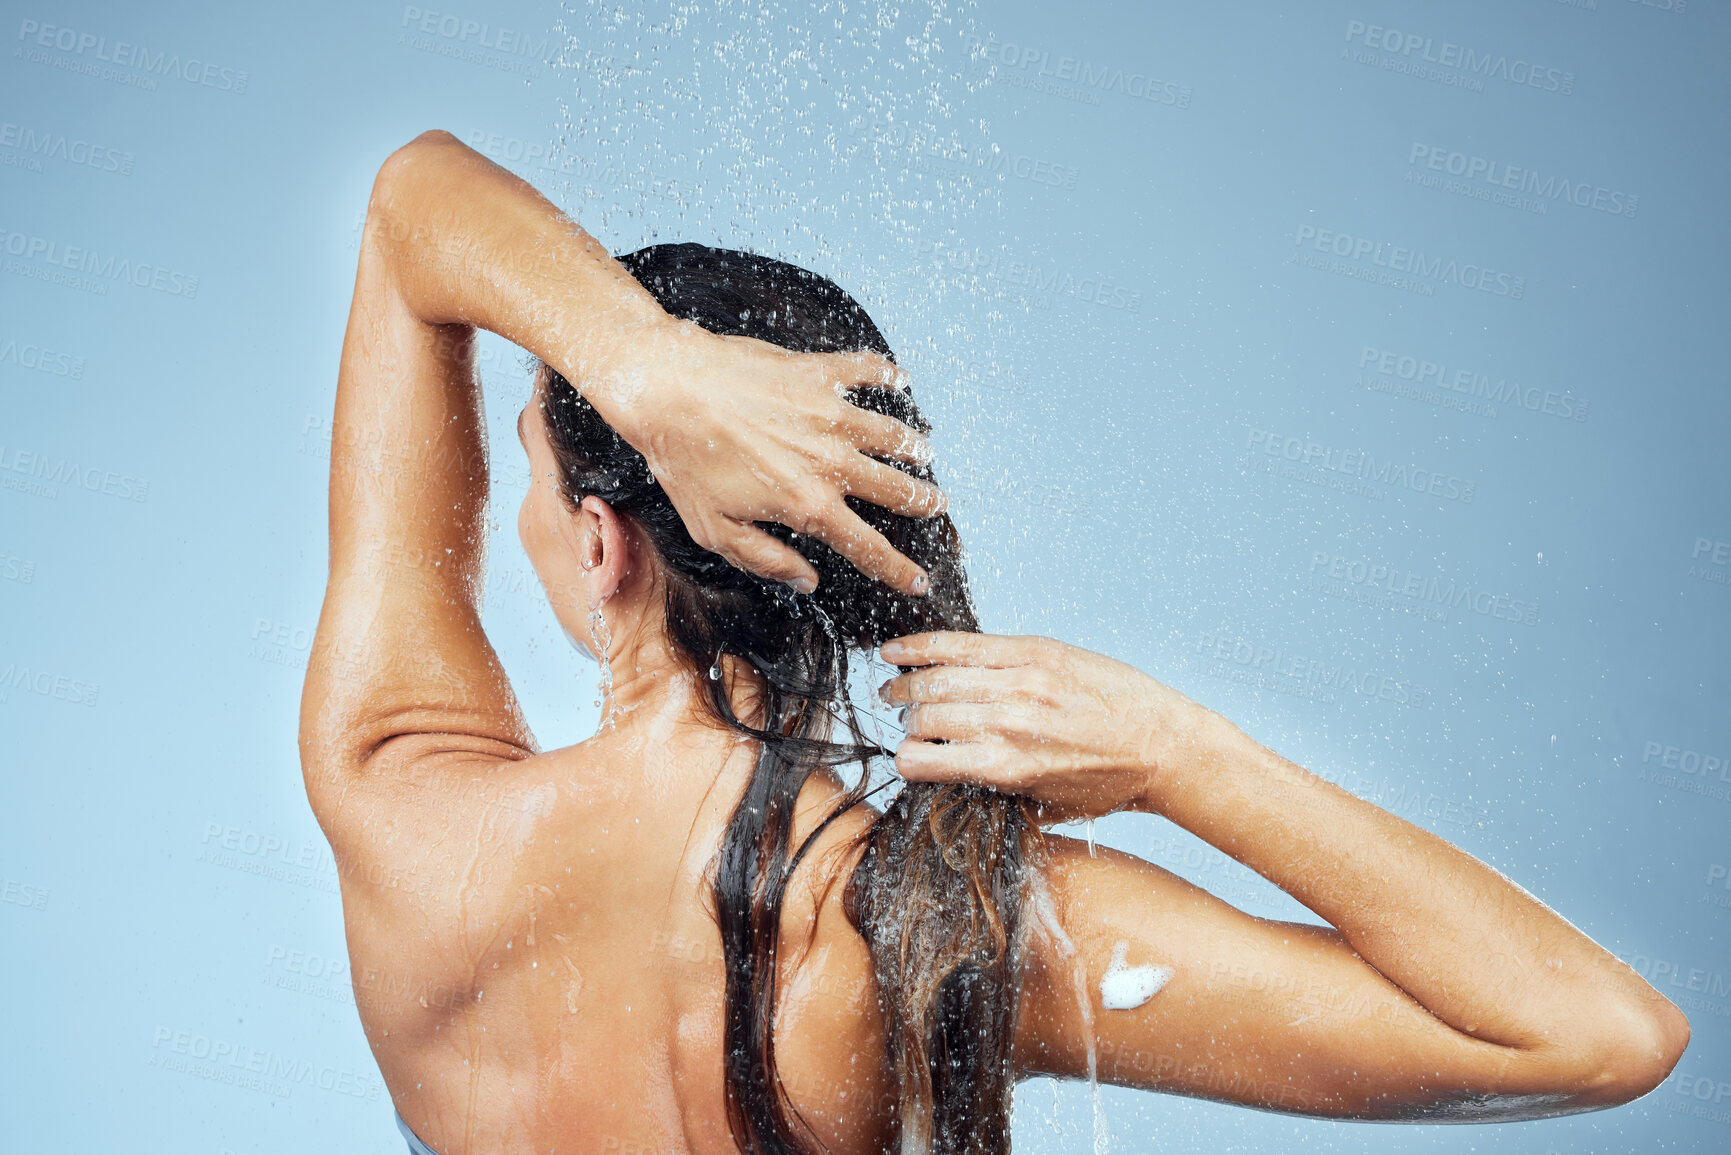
(1440, 991)
(736, 430)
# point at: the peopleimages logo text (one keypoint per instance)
(243, 1059)
(89, 262)
(1306, 673)
(59, 146)
(48, 684)
(124, 54)
(1361, 464)
(1501, 391)
(1711, 561)
(40, 358)
(65, 471)
(1433, 590)
(1071, 76)
(1447, 54)
(1524, 180)
(1414, 261)
(993, 161)
(477, 33)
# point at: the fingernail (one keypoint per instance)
(803, 585)
(921, 585)
(893, 652)
(884, 690)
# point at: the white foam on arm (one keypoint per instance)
(1124, 988)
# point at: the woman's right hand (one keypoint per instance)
(1081, 734)
(737, 430)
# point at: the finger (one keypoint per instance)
(751, 549)
(972, 763)
(889, 487)
(958, 647)
(864, 368)
(871, 553)
(949, 684)
(881, 435)
(951, 721)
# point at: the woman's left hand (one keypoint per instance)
(1081, 734)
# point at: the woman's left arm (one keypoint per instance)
(1440, 990)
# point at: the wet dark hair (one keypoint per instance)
(938, 894)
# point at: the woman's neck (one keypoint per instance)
(650, 683)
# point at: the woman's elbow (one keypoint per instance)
(432, 138)
(407, 161)
(1641, 1048)
(398, 186)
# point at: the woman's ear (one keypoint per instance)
(603, 550)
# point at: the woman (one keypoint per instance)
(689, 933)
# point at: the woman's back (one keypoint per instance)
(536, 944)
(537, 960)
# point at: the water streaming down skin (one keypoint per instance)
(602, 638)
(1477, 1107)
(473, 956)
(1040, 903)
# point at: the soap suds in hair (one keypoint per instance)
(1124, 988)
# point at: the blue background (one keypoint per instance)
(1091, 232)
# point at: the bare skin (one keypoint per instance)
(535, 965)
